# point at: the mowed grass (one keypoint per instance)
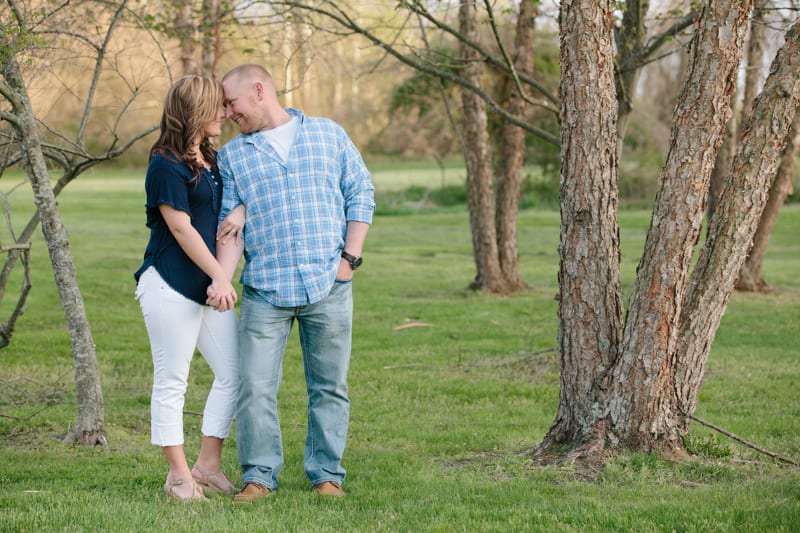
(450, 392)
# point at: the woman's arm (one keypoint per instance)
(192, 244)
(228, 254)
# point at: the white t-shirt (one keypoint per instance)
(281, 137)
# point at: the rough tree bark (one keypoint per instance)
(750, 278)
(752, 84)
(590, 308)
(731, 230)
(619, 385)
(651, 417)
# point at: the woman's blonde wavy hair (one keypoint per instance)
(191, 102)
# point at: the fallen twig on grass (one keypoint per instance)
(742, 441)
(414, 324)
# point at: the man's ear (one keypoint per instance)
(259, 90)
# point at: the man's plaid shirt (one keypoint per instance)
(297, 210)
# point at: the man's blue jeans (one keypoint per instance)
(325, 330)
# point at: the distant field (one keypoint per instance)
(385, 176)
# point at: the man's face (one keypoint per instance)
(240, 103)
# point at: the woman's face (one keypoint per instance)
(213, 128)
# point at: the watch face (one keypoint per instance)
(356, 262)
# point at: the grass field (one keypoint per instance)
(443, 417)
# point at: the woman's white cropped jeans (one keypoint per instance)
(176, 326)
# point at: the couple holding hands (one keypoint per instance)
(307, 198)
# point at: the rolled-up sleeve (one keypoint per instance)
(358, 191)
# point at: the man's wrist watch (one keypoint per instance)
(354, 260)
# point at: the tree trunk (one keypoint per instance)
(624, 392)
(89, 426)
(630, 41)
(509, 177)
(480, 191)
(722, 165)
(755, 60)
(590, 308)
(287, 43)
(750, 278)
(185, 31)
(212, 38)
(752, 84)
(644, 380)
(740, 207)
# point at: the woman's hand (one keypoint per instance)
(232, 225)
(221, 295)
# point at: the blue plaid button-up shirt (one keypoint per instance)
(297, 210)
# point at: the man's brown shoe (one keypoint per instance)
(329, 488)
(251, 492)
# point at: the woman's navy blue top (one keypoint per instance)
(171, 182)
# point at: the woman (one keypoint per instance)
(184, 191)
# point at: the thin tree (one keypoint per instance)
(510, 164)
(635, 47)
(211, 43)
(20, 41)
(478, 158)
(186, 33)
(89, 426)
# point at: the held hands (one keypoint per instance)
(221, 295)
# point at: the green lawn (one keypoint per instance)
(444, 414)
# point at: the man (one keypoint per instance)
(309, 201)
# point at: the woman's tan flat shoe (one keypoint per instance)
(171, 484)
(214, 483)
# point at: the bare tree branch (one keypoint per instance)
(515, 74)
(336, 14)
(657, 41)
(504, 65)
